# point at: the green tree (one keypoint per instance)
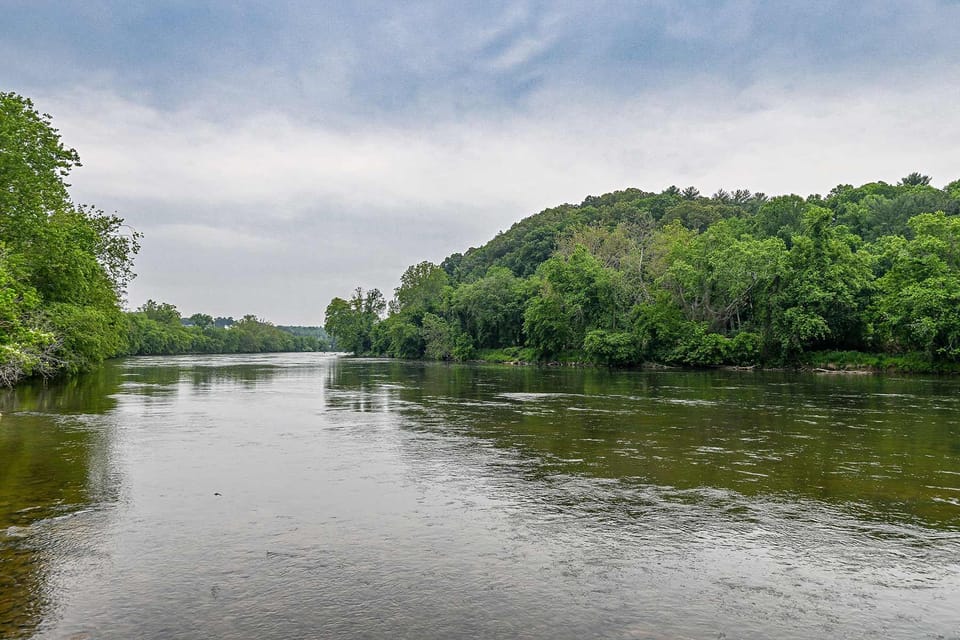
(201, 320)
(351, 322)
(420, 291)
(914, 179)
(825, 290)
(576, 294)
(162, 312)
(71, 263)
(918, 307)
(491, 309)
(780, 217)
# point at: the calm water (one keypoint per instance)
(306, 496)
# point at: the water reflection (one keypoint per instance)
(54, 463)
(307, 496)
(882, 447)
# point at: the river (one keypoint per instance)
(315, 496)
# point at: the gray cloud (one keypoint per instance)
(278, 155)
(271, 208)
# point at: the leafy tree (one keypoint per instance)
(547, 323)
(397, 337)
(577, 294)
(720, 278)
(491, 309)
(825, 289)
(914, 179)
(919, 303)
(953, 190)
(201, 320)
(162, 312)
(699, 214)
(420, 291)
(352, 322)
(71, 263)
(780, 217)
(611, 348)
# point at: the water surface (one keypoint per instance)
(281, 496)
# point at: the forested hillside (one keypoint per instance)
(680, 278)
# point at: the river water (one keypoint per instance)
(313, 496)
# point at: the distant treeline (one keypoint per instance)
(736, 278)
(157, 328)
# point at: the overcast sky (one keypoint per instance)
(276, 154)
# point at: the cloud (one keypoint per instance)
(282, 155)
(213, 238)
(267, 196)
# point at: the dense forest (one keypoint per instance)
(866, 275)
(64, 268)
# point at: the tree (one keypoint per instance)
(700, 214)
(721, 278)
(351, 322)
(72, 263)
(824, 292)
(491, 309)
(162, 312)
(201, 320)
(914, 179)
(780, 217)
(919, 303)
(577, 294)
(420, 290)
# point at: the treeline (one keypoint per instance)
(682, 279)
(157, 328)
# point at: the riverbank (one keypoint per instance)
(848, 362)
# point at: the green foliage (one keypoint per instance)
(156, 329)
(734, 279)
(919, 303)
(780, 217)
(611, 348)
(547, 325)
(577, 294)
(825, 289)
(698, 215)
(351, 322)
(397, 337)
(723, 279)
(64, 267)
(491, 309)
(87, 334)
(420, 290)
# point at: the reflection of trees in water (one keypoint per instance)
(160, 376)
(876, 446)
(88, 393)
(348, 385)
(53, 462)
